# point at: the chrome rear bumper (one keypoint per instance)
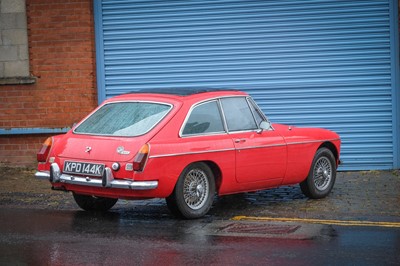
(107, 181)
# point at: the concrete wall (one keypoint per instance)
(13, 39)
(62, 58)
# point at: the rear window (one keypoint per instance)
(124, 119)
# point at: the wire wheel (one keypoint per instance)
(193, 193)
(322, 173)
(195, 189)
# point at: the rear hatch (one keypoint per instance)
(114, 132)
(100, 148)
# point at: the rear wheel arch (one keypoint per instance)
(217, 173)
(194, 190)
(216, 170)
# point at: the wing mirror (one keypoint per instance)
(265, 125)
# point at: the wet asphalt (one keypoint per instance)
(357, 224)
(64, 237)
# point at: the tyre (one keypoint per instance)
(92, 203)
(194, 192)
(322, 175)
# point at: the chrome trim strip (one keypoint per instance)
(210, 151)
(188, 153)
(256, 107)
(311, 141)
(286, 144)
(124, 184)
(262, 147)
(204, 134)
(251, 111)
(107, 181)
(221, 110)
(42, 175)
(244, 148)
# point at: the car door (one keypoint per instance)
(260, 154)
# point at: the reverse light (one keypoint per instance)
(44, 151)
(141, 158)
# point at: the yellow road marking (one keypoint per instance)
(319, 221)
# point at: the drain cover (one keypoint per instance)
(248, 228)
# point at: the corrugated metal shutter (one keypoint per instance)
(308, 63)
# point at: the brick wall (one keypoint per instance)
(62, 57)
(13, 39)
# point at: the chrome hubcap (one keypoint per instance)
(195, 189)
(322, 173)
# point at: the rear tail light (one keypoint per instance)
(141, 158)
(44, 151)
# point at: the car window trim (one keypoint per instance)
(249, 100)
(171, 106)
(242, 130)
(258, 110)
(221, 110)
(207, 133)
(252, 112)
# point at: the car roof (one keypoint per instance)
(189, 95)
(186, 91)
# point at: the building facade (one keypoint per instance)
(332, 64)
(61, 86)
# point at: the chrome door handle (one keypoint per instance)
(240, 140)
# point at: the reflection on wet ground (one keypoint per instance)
(38, 237)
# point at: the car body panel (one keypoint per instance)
(302, 145)
(241, 161)
(259, 156)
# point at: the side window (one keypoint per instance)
(204, 118)
(256, 111)
(238, 114)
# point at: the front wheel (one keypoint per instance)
(92, 203)
(194, 192)
(322, 175)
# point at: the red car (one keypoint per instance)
(185, 146)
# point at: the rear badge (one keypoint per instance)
(88, 149)
(121, 150)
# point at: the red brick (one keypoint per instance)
(62, 57)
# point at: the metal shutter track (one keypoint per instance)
(307, 63)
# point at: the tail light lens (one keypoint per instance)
(141, 158)
(44, 151)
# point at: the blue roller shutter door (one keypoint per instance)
(307, 63)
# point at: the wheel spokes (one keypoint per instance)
(322, 173)
(195, 188)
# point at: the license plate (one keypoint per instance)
(92, 169)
